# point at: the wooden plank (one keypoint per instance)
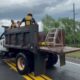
(60, 50)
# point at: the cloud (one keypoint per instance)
(63, 7)
(40, 26)
(5, 22)
(31, 3)
(17, 9)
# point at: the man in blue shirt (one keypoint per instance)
(28, 20)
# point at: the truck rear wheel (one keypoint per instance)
(52, 60)
(22, 64)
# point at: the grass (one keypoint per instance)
(74, 55)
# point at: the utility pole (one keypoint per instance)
(74, 25)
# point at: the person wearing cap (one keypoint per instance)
(28, 20)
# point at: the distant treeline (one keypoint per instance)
(71, 28)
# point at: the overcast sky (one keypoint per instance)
(17, 9)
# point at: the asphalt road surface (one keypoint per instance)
(71, 71)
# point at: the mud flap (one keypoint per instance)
(39, 64)
(62, 59)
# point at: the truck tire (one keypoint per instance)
(22, 64)
(52, 60)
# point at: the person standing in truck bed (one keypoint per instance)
(28, 20)
(18, 24)
(13, 24)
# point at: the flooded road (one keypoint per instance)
(71, 71)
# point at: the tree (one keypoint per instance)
(72, 32)
(48, 23)
(67, 24)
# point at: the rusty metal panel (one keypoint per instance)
(13, 37)
(22, 37)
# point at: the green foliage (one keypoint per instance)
(48, 23)
(71, 31)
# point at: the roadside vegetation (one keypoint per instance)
(71, 28)
(74, 55)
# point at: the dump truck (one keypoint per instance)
(34, 51)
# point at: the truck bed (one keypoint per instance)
(26, 38)
(60, 50)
